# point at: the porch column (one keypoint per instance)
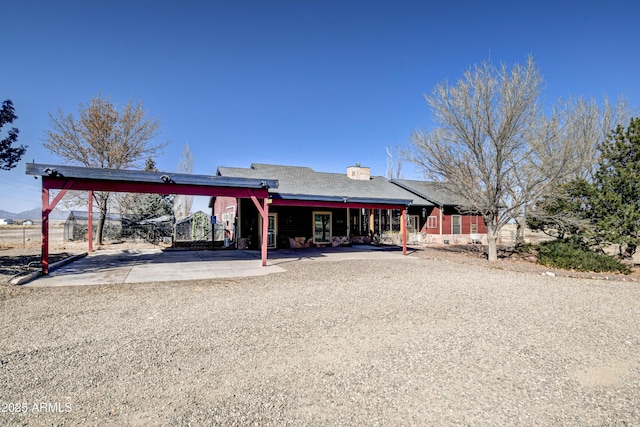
(45, 231)
(403, 226)
(90, 221)
(348, 222)
(372, 223)
(263, 210)
(237, 223)
(265, 229)
(46, 210)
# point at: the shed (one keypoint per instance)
(76, 226)
(195, 227)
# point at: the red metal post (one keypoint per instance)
(46, 210)
(263, 210)
(265, 229)
(403, 222)
(45, 230)
(90, 219)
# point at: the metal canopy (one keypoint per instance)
(131, 181)
(62, 172)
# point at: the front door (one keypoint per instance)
(321, 227)
(272, 231)
(413, 226)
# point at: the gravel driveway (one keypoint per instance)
(414, 341)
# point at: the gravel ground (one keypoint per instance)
(429, 339)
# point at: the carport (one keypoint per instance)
(65, 178)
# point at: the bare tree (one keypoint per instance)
(586, 124)
(491, 143)
(101, 136)
(571, 135)
(183, 204)
(394, 163)
(390, 162)
(583, 125)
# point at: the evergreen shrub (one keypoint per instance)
(570, 255)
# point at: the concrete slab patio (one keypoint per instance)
(156, 265)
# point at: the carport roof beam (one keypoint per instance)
(145, 177)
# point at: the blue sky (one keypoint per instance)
(323, 84)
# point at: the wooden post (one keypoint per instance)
(90, 222)
(45, 231)
(403, 225)
(372, 223)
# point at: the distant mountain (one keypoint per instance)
(33, 214)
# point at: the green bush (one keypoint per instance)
(525, 248)
(573, 256)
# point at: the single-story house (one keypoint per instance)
(443, 221)
(322, 209)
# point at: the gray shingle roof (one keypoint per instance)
(305, 183)
(440, 193)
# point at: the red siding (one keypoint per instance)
(222, 203)
(447, 222)
(435, 212)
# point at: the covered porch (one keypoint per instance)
(322, 222)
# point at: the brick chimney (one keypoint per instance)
(358, 172)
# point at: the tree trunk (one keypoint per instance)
(102, 205)
(493, 250)
(492, 239)
(629, 251)
(101, 221)
(520, 223)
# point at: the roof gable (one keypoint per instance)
(439, 193)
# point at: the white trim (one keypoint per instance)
(452, 224)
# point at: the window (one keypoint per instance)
(322, 227)
(432, 222)
(359, 222)
(456, 224)
(474, 225)
(396, 215)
